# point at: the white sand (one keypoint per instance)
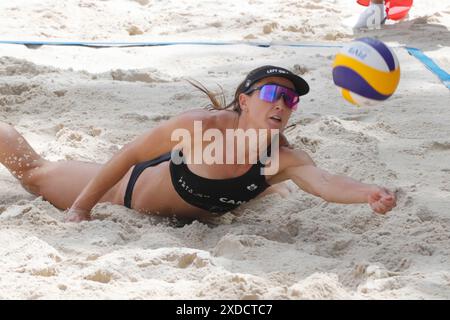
(82, 103)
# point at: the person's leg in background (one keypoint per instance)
(373, 17)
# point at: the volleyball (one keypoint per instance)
(367, 71)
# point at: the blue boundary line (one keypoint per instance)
(429, 63)
(160, 43)
(115, 44)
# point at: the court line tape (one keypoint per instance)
(417, 53)
(431, 65)
(161, 43)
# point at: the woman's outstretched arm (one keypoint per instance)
(149, 145)
(336, 188)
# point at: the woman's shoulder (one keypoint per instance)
(208, 118)
(294, 158)
(288, 158)
(195, 114)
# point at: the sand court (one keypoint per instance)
(79, 103)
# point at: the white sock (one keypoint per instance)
(372, 17)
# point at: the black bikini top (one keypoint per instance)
(217, 195)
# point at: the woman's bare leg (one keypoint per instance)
(18, 156)
(59, 182)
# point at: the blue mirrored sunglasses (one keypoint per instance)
(273, 92)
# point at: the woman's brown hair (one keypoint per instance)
(218, 100)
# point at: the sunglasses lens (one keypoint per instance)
(269, 93)
(273, 92)
(290, 97)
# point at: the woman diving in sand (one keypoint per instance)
(152, 175)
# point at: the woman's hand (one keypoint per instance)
(381, 200)
(77, 215)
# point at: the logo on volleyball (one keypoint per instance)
(367, 71)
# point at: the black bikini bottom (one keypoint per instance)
(137, 170)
